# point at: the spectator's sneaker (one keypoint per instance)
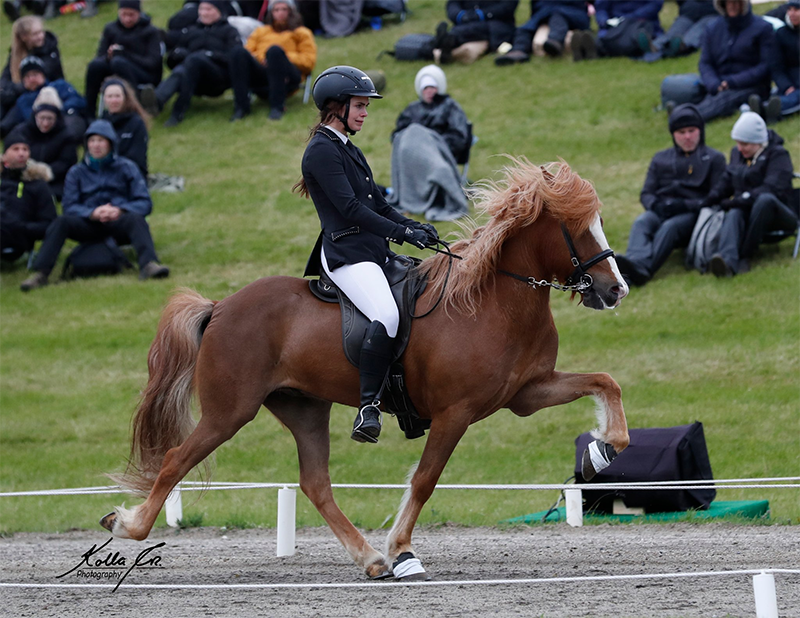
(675, 47)
(577, 46)
(772, 110)
(11, 9)
(631, 271)
(238, 114)
(670, 107)
(153, 270)
(512, 57)
(149, 100)
(90, 10)
(720, 267)
(552, 48)
(275, 113)
(645, 42)
(173, 121)
(37, 280)
(583, 46)
(754, 103)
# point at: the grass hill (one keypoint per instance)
(685, 347)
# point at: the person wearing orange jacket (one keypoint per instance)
(276, 58)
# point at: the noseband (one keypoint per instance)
(579, 276)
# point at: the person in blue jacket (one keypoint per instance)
(560, 15)
(105, 196)
(32, 70)
(734, 62)
(627, 28)
(357, 225)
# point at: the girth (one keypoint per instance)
(407, 285)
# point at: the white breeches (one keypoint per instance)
(365, 284)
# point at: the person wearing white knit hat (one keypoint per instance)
(755, 190)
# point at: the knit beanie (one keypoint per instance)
(48, 100)
(31, 63)
(291, 4)
(220, 5)
(750, 128)
(15, 137)
(136, 5)
(433, 72)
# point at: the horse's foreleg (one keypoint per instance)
(308, 420)
(445, 433)
(612, 431)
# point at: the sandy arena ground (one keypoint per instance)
(211, 556)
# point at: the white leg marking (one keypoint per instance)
(125, 518)
(597, 231)
(403, 502)
(601, 412)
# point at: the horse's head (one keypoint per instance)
(594, 270)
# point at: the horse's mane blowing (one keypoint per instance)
(512, 203)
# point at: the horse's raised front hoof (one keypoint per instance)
(379, 570)
(408, 568)
(109, 520)
(596, 458)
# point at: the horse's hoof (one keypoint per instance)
(109, 520)
(408, 568)
(596, 458)
(379, 570)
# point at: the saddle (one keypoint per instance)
(407, 286)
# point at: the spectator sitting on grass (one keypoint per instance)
(786, 66)
(50, 142)
(755, 191)
(28, 38)
(129, 48)
(678, 180)
(686, 32)
(560, 15)
(26, 205)
(734, 61)
(274, 61)
(475, 20)
(123, 111)
(627, 28)
(430, 134)
(199, 62)
(34, 79)
(105, 196)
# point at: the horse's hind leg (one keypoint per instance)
(612, 431)
(308, 420)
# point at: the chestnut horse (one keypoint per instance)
(273, 344)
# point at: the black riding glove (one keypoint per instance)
(433, 235)
(418, 238)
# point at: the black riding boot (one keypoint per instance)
(376, 357)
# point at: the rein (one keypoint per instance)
(579, 281)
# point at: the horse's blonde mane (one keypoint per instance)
(512, 203)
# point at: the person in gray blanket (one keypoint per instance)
(678, 180)
(429, 136)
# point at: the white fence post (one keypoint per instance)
(766, 599)
(574, 500)
(174, 507)
(287, 502)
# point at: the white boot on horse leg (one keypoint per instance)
(596, 458)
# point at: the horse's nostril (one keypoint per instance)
(619, 292)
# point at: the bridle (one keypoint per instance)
(579, 281)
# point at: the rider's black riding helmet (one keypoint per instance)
(342, 82)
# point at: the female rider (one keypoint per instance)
(357, 225)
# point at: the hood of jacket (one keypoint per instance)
(37, 171)
(740, 21)
(103, 128)
(687, 115)
(773, 139)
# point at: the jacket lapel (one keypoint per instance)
(351, 149)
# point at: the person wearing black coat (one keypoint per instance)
(755, 190)
(357, 225)
(678, 180)
(29, 38)
(123, 111)
(786, 66)
(50, 141)
(475, 20)
(26, 205)
(129, 48)
(201, 54)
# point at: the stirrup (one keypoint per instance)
(367, 426)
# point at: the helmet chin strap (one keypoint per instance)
(343, 119)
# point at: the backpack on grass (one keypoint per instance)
(412, 47)
(705, 238)
(92, 259)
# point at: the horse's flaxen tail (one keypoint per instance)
(163, 419)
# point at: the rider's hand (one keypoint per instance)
(417, 238)
(433, 235)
